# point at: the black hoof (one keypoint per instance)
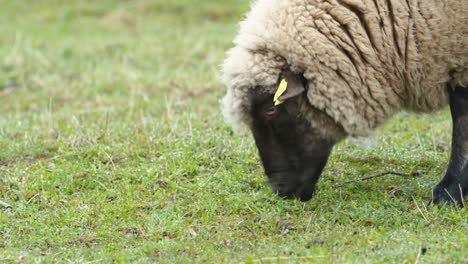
(447, 195)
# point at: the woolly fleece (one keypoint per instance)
(364, 60)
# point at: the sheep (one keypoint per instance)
(348, 66)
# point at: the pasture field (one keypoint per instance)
(113, 149)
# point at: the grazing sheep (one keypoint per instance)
(348, 66)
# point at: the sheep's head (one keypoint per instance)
(293, 138)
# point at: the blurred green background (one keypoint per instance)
(113, 149)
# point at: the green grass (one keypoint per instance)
(113, 149)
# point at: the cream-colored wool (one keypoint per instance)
(364, 59)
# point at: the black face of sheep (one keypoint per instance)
(292, 152)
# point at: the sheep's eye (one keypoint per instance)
(271, 111)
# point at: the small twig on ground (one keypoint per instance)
(5, 205)
(413, 174)
(251, 231)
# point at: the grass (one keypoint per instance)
(113, 149)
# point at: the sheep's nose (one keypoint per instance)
(290, 186)
(302, 192)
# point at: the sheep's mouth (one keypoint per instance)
(297, 184)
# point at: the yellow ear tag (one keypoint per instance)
(281, 89)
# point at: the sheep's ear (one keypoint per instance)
(295, 84)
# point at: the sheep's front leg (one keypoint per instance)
(454, 186)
